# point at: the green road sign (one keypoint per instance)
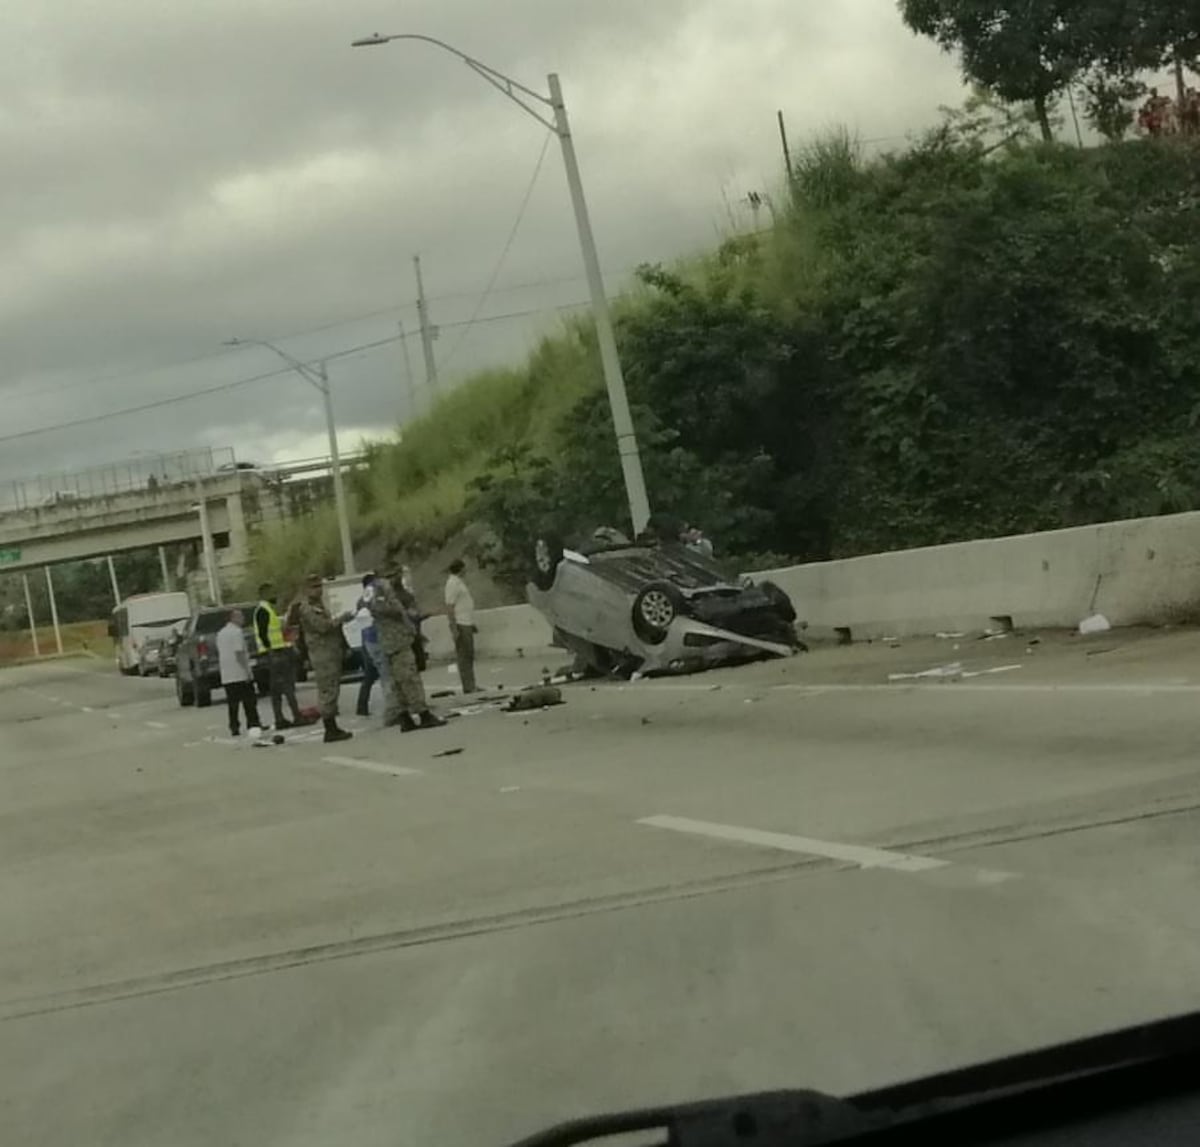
(9, 557)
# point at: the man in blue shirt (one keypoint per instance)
(374, 662)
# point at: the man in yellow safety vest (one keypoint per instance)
(281, 657)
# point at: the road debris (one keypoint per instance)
(994, 669)
(537, 697)
(950, 636)
(447, 753)
(1097, 623)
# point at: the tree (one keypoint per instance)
(1108, 102)
(1021, 52)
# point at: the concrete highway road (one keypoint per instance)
(819, 873)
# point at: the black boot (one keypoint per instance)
(333, 733)
(405, 722)
(430, 720)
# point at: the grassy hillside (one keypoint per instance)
(414, 490)
(960, 339)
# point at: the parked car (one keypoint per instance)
(197, 669)
(624, 607)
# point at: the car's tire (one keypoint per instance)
(203, 694)
(183, 693)
(654, 609)
(543, 566)
(780, 600)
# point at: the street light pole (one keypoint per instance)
(318, 376)
(335, 461)
(614, 379)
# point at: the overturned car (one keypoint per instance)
(622, 607)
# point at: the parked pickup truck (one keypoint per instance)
(197, 670)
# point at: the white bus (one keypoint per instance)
(138, 618)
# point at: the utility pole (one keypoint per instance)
(428, 332)
(408, 372)
(166, 571)
(787, 151)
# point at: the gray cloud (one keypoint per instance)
(178, 174)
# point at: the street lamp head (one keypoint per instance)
(370, 41)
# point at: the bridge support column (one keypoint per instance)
(53, 610)
(29, 612)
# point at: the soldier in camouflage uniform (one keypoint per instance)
(393, 608)
(323, 635)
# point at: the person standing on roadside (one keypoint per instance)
(460, 611)
(392, 609)
(374, 662)
(281, 657)
(236, 677)
(323, 634)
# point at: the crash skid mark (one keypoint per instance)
(856, 855)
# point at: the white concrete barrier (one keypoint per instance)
(1142, 571)
(505, 632)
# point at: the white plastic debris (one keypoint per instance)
(950, 636)
(1097, 623)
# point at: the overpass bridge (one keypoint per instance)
(153, 502)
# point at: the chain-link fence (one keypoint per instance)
(142, 471)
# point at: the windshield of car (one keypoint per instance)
(746, 459)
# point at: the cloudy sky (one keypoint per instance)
(178, 174)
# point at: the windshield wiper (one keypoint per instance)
(1074, 1082)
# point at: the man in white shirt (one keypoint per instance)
(460, 611)
(236, 676)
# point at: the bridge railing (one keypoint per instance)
(142, 471)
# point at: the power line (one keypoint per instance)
(177, 398)
(276, 373)
(512, 235)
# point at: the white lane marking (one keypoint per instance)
(87, 709)
(157, 725)
(373, 766)
(861, 855)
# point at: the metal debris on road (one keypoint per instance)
(447, 753)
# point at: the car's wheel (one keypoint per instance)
(654, 609)
(547, 553)
(183, 693)
(779, 600)
(203, 694)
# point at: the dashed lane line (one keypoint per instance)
(373, 766)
